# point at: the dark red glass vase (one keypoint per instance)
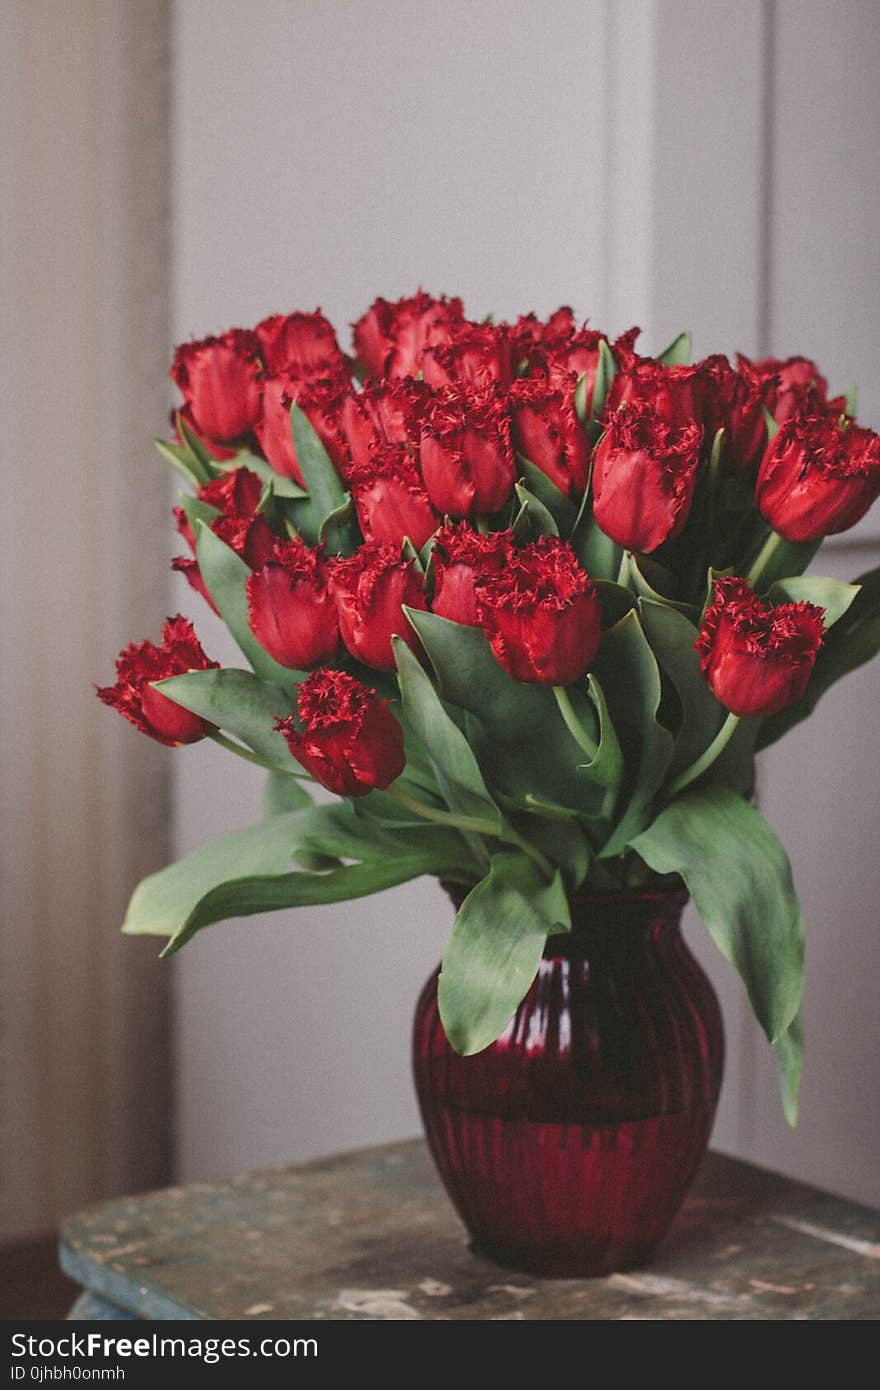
(569, 1144)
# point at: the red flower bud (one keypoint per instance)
(670, 393)
(370, 590)
(547, 431)
(465, 454)
(757, 658)
(350, 742)
(735, 401)
(219, 452)
(529, 334)
(795, 380)
(460, 557)
(384, 412)
(218, 378)
(390, 337)
(274, 430)
(304, 344)
(541, 614)
(644, 472)
(291, 610)
(236, 496)
(142, 663)
(818, 476)
(390, 500)
(477, 354)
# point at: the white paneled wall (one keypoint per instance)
(669, 162)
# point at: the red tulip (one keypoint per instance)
(818, 476)
(547, 431)
(219, 380)
(530, 334)
(371, 588)
(644, 473)
(304, 344)
(274, 430)
(459, 558)
(465, 453)
(795, 380)
(291, 610)
(142, 663)
(477, 354)
(672, 394)
(322, 400)
(236, 496)
(349, 742)
(389, 498)
(390, 337)
(757, 658)
(541, 614)
(384, 412)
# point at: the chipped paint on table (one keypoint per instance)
(372, 1235)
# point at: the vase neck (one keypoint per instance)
(618, 921)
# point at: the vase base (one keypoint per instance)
(565, 1262)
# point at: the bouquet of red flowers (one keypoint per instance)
(529, 603)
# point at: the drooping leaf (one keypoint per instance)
(162, 902)
(225, 575)
(607, 766)
(452, 760)
(630, 679)
(240, 703)
(339, 529)
(495, 949)
(789, 1049)
(678, 354)
(651, 581)
(739, 876)
(672, 638)
(242, 897)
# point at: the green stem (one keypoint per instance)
(469, 824)
(624, 571)
(706, 758)
(763, 558)
(249, 757)
(573, 724)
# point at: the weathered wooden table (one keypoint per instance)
(372, 1235)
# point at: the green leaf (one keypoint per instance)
(853, 640)
(605, 373)
(598, 553)
(790, 558)
(652, 581)
(181, 457)
(739, 876)
(455, 767)
(831, 594)
(789, 1049)
(607, 766)
(515, 728)
(678, 354)
(162, 902)
(196, 446)
(580, 397)
(541, 521)
(339, 529)
(672, 639)
(495, 949)
(770, 422)
(630, 678)
(852, 401)
(560, 507)
(282, 794)
(240, 703)
(242, 897)
(281, 486)
(196, 510)
(225, 576)
(326, 493)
